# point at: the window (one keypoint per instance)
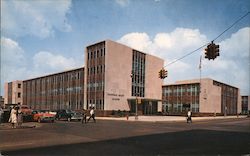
(18, 95)
(19, 85)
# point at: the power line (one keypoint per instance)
(186, 55)
(208, 43)
(231, 26)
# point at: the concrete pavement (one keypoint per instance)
(7, 126)
(167, 118)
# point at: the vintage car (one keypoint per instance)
(69, 115)
(43, 115)
(25, 110)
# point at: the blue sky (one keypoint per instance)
(46, 36)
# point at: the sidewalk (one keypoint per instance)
(167, 118)
(7, 126)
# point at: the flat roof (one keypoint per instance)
(108, 40)
(54, 73)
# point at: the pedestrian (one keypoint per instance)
(19, 117)
(189, 114)
(1, 114)
(13, 117)
(92, 114)
(84, 116)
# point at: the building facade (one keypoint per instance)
(201, 96)
(245, 102)
(13, 92)
(117, 75)
(64, 90)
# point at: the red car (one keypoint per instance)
(43, 115)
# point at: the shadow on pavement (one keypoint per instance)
(193, 142)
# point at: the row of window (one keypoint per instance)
(98, 86)
(96, 70)
(193, 88)
(97, 103)
(178, 108)
(96, 53)
(57, 78)
(59, 91)
(138, 74)
(57, 105)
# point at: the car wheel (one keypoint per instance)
(52, 121)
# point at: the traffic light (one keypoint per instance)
(216, 50)
(212, 51)
(160, 74)
(208, 52)
(163, 73)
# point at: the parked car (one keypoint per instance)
(25, 110)
(76, 116)
(69, 115)
(43, 115)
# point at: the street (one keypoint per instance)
(106, 137)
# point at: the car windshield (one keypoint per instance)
(77, 113)
(69, 111)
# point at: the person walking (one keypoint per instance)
(189, 114)
(92, 114)
(1, 114)
(13, 117)
(84, 116)
(19, 117)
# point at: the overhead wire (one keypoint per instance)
(208, 43)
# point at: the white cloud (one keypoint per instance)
(139, 41)
(16, 66)
(45, 61)
(12, 61)
(20, 18)
(122, 3)
(170, 46)
(232, 66)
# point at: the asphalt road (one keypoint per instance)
(215, 137)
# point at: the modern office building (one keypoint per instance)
(64, 90)
(245, 103)
(13, 92)
(205, 96)
(117, 75)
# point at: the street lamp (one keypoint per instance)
(136, 109)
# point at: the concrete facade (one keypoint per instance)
(118, 62)
(214, 96)
(56, 91)
(245, 103)
(13, 92)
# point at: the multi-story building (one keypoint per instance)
(201, 96)
(117, 75)
(13, 92)
(245, 103)
(64, 90)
